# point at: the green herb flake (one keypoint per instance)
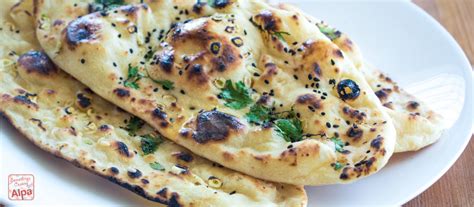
(103, 5)
(237, 97)
(133, 77)
(331, 33)
(290, 129)
(157, 166)
(338, 143)
(88, 141)
(279, 35)
(337, 165)
(133, 125)
(259, 114)
(150, 143)
(166, 84)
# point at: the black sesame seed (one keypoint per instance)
(328, 125)
(83, 61)
(267, 82)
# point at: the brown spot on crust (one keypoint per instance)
(309, 99)
(114, 170)
(338, 53)
(412, 105)
(221, 3)
(123, 149)
(266, 20)
(82, 30)
(383, 93)
(228, 156)
(388, 105)
(264, 99)
(196, 73)
(134, 174)
(184, 156)
(121, 92)
(24, 100)
(353, 113)
(158, 113)
(37, 62)
(377, 142)
(355, 133)
(215, 126)
(317, 69)
(166, 60)
(83, 101)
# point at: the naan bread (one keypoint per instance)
(185, 68)
(63, 117)
(416, 124)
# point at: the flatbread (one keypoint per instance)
(63, 117)
(303, 76)
(416, 124)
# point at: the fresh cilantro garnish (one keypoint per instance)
(331, 33)
(290, 129)
(337, 165)
(259, 114)
(102, 5)
(166, 84)
(133, 125)
(338, 143)
(279, 35)
(133, 77)
(237, 97)
(149, 143)
(157, 166)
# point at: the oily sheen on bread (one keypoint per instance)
(416, 124)
(251, 87)
(63, 117)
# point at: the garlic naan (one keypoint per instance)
(62, 116)
(416, 124)
(254, 88)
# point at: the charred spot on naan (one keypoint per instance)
(37, 62)
(85, 29)
(122, 149)
(197, 39)
(122, 92)
(215, 126)
(313, 102)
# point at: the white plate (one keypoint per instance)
(394, 35)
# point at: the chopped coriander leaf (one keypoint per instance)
(149, 143)
(133, 77)
(133, 125)
(280, 35)
(102, 5)
(331, 33)
(166, 84)
(237, 97)
(259, 114)
(338, 143)
(337, 165)
(290, 129)
(157, 166)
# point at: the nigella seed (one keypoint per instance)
(215, 47)
(229, 29)
(237, 41)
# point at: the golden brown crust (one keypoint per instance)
(195, 53)
(64, 117)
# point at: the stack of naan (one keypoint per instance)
(202, 103)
